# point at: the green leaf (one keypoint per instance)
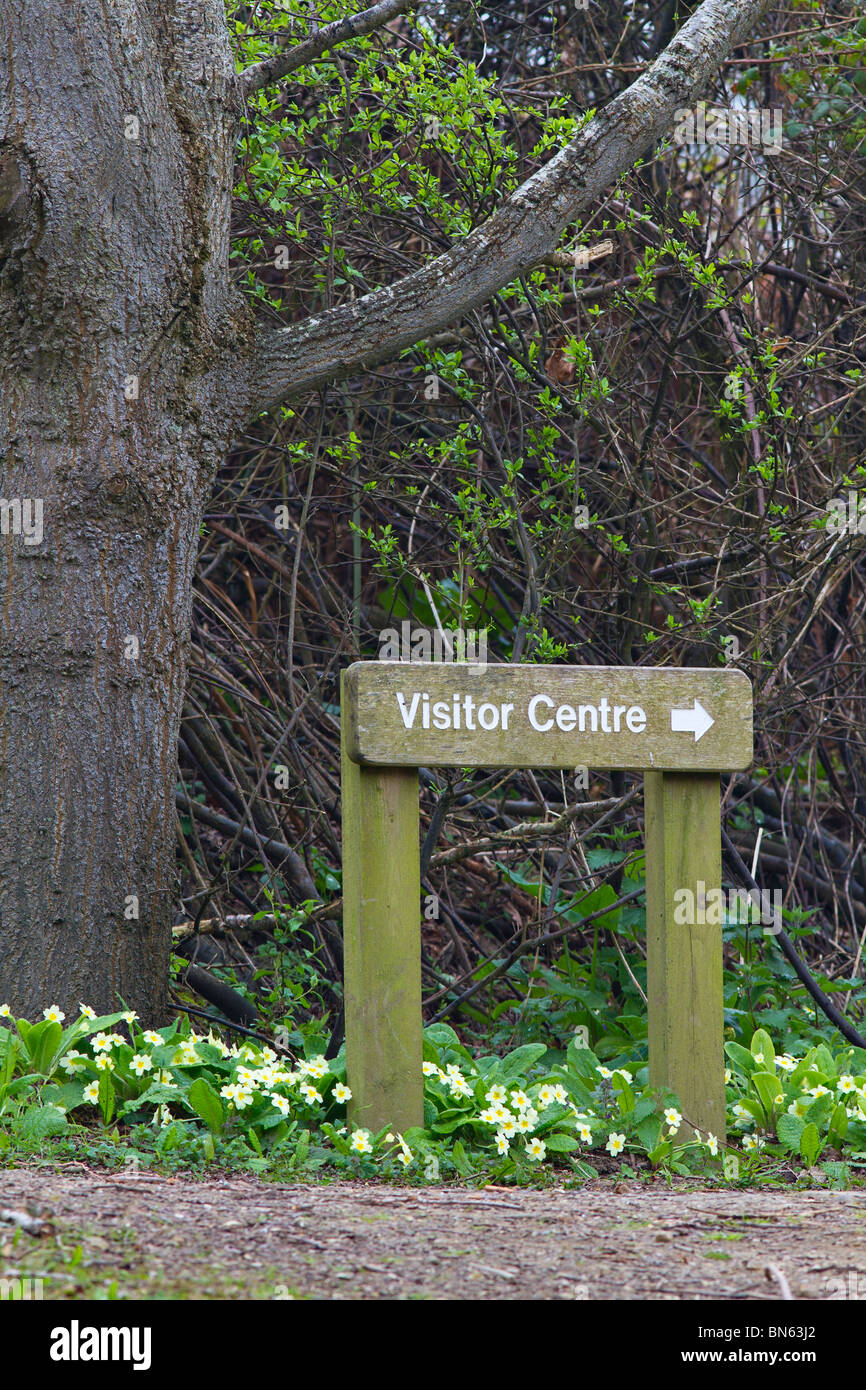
(43, 1121)
(339, 1141)
(302, 1148)
(767, 1086)
(441, 1035)
(839, 1124)
(206, 1103)
(789, 1129)
(625, 1094)
(518, 1062)
(819, 1111)
(42, 1040)
(762, 1045)
(562, 1143)
(660, 1152)
(741, 1057)
(648, 1132)
(106, 1096)
(461, 1162)
(810, 1144)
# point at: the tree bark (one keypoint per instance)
(116, 150)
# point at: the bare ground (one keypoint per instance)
(142, 1236)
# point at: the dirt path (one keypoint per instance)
(159, 1237)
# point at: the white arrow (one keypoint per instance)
(687, 721)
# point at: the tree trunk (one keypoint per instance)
(116, 150)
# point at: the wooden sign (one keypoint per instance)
(680, 726)
(420, 714)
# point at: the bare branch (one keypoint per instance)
(291, 362)
(355, 26)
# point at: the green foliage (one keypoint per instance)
(177, 1097)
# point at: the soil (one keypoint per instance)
(136, 1235)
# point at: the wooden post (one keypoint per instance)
(684, 962)
(381, 942)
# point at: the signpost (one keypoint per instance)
(681, 727)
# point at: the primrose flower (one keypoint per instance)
(560, 1094)
(621, 1071)
(140, 1064)
(283, 1105)
(758, 1056)
(798, 1107)
(615, 1144)
(536, 1148)
(673, 1118)
(752, 1143)
(104, 1062)
(729, 1076)
(101, 1042)
(502, 1145)
(222, 1047)
(819, 1091)
(86, 1011)
(712, 1144)
(744, 1117)
(508, 1126)
(243, 1098)
(245, 1076)
(361, 1142)
(546, 1096)
(5, 1011)
(786, 1062)
(846, 1084)
(342, 1093)
(73, 1062)
(527, 1120)
(165, 1077)
(460, 1086)
(91, 1093)
(429, 1068)
(310, 1094)
(152, 1038)
(315, 1067)
(116, 1039)
(405, 1157)
(53, 1014)
(604, 1072)
(520, 1100)
(496, 1095)
(130, 1016)
(584, 1133)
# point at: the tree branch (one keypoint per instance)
(355, 26)
(291, 362)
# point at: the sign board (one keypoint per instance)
(681, 727)
(420, 714)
